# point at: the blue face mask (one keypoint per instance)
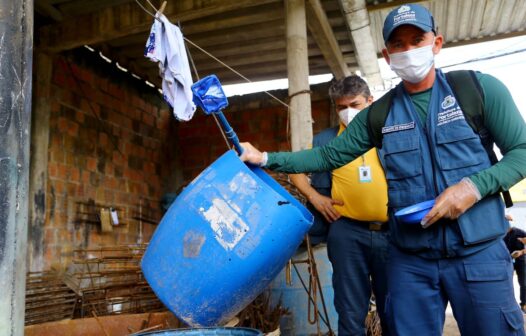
(413, 65)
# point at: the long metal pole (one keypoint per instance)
(16, 49)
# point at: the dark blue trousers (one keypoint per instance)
(479, 288)
(520, 269)
(359, 259)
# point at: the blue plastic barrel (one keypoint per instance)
(295, 298)
(222, 241)
(206, 331)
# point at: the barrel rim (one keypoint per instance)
(157, 332)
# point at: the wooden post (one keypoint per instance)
(298, 73)
(39, 160)
(16, 50)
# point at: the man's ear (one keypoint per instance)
(386, 56)
(439, 41)
(370, 100)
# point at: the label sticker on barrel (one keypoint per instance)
(229, 228)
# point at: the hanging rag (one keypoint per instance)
(166, 46)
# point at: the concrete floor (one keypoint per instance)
(450, 327)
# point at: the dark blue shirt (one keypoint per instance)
(512, 243)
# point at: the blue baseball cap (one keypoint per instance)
(410, 14)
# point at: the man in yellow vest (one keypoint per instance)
(350, 208)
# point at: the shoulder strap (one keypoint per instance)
(468, 91)
(376, 118)
(470, 95)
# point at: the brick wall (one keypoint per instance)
(114, 143)
(107, 144)
(255, 118)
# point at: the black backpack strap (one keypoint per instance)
(376, 117)
(470, 95)
(468, 91)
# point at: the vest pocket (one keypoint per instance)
(402, 157)
(514, 320)
(458, 147)
(403, 170)
(411, 237)
(483, 221)
(404, 196)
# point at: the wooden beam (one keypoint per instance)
(76, 8)
(256, 58)
(267, 32)
(322, 33)
(243, 19)
(45, 8)
(276, 71)
(38, 164)
(126, 19)
(391, 4)
(357, 18)
(298, 74)
(241, 47)
(275, 28)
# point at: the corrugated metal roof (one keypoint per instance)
(464, 21)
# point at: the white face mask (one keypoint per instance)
(348, 114)
(413, 65)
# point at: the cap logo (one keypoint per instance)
(403, 8)
(413, 14)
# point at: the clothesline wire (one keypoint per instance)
(226, 66)
(144, 9)
(191, 60)
(197, 77)
(233, 70)
(212, 56)
(156, 10)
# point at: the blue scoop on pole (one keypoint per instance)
(209, 95)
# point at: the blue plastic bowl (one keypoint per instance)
(413, 214)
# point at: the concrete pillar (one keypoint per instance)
(16, 44)
(357, 19)
(39, 160)
(298, 73)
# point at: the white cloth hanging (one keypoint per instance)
(166, 46)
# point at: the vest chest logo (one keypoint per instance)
(450, 115)
(399, 127)
(448, 102)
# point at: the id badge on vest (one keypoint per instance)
(365, 174)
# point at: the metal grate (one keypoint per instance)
(110, 281)
(48, 298)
